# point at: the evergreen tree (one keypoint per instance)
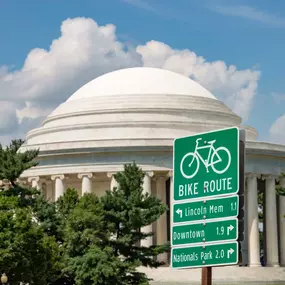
(53, 218)
(88, 257)
(13, 162)
(27, 253)
(127, 210)
(102, 236)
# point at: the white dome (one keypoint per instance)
(133, 106)
(132, 81)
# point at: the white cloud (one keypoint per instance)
(251, 13)
(84, 51)
(236, 88)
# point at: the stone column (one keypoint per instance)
(282, 223)
(147, 229)
(244, 243)
(272, 259)
(86, 184)
(59, 185)
(161, 226)
(35, 180)
(171, 194)
(252, 215)
(114, 183)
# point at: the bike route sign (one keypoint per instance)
(206, 164)
(216, 208)
(214, 231)
(208, 255)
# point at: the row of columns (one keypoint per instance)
(271, 226)
(86, 180)
(58, 179)
(253, 252)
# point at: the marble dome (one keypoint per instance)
(141, 81)
(134, 106)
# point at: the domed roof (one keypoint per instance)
(141, 81)
(138, 106)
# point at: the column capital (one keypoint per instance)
(33, 178)
(270, 176)
(111, 174)
(57, 176)
(253, 175)
(87, 174)
(170, 173)
(149, 173)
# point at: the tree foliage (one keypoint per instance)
(13, 163)
(24, 245)
(127, 210)
(27, 253)
(103, 235)
(87, 240)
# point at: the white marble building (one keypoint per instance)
(134, 115)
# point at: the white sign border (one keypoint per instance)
(204, 133)
(206, 265)
(206, 242)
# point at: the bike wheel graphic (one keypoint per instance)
(226, 160)
(186, 160)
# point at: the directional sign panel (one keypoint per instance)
(213, 231)
(209, 255)
(206, 209)
(206, 164)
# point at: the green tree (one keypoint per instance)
(127, 210)
(14, 162)
(88, 257)
(53, 218)
(27, 253)
(102, 236)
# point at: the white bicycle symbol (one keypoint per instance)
(213, 157)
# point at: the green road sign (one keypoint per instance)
(222, 230)
(216, 208)
(206, 164)
(209, 255)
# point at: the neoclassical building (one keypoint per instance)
(135, 114)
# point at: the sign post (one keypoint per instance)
(205, 204)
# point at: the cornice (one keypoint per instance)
(265, 148)
(139, 145)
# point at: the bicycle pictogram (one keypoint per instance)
(213, 160)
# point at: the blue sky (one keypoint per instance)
(247, 34)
